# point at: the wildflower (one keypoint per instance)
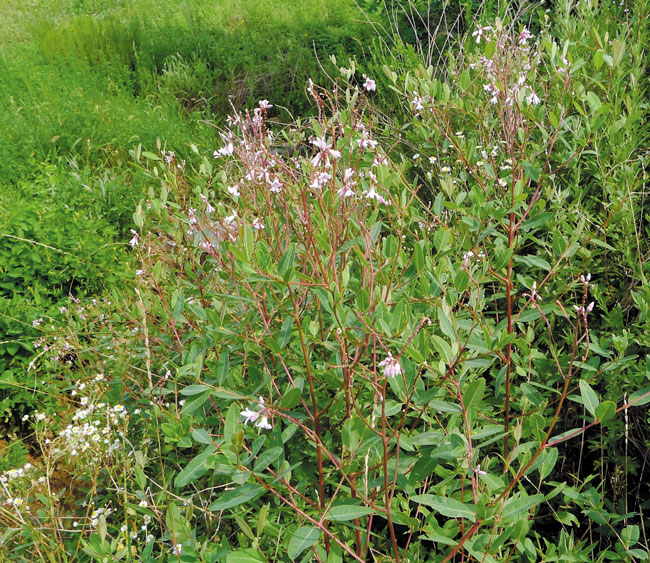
(264, 423)
(369, 85)
(134, 241)
(252, 416)
(445, 169)
(139, 272)
(37, 322)
(226, 150)
(176, 549)
(372, 194)
(478, 470)
(321, 179)
(143, 503)
(249, 415)
(264, 104)
(234, 191)
(257, 224)
(417, 102)
(391, 366)
(325, 153)
(416, 156)
(534, 296)
(532, 99)
(469, 255)
(275, 185)
(479, 32)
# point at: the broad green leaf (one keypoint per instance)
(606, 410)
(237, 496)
(193, 390)
(286, 262)
(549, 458)
(303, 538)
(285, 332)
(442, 348)
(245, 556)
(589, 397)
(473, 393)
(639, 398)
(344, 512)
(232, 423)
(516, 506)
(195, 468)
(266, 458)
(446, 506)
(201, 436)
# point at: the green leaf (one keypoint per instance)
(344, 512)
(473, 393)
(490, 49)
(516, 506)
(285, 332)
(193, 390)
(232, 422)
(286, 262)
(266, 458)
(201, 436)
(195, 468)
(222, 367)
(249, 241)
(639, 398)
(446, 506)
(237, 496)
(245, 556)
(606, 410)
(589, 397)
(303, 538)
(442, 348)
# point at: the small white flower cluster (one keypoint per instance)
(26, 470)
(262, 414)
(96, 431)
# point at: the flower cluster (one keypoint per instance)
(261, 415)
(96, 432)
(391, 366)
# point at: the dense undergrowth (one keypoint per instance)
(387, 304)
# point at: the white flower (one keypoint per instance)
(233, 190)
(532, 99)
(369, 85)
(249, 415)
(264, 104)
(257, 224)
(264, 423)
(445, 169)
(391, 366)
(321, 179)
(372, 194)
(134, 240)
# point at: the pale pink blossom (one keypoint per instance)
(391, 366)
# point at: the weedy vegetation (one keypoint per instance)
(333, 284)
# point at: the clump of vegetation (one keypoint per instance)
(352, 337)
